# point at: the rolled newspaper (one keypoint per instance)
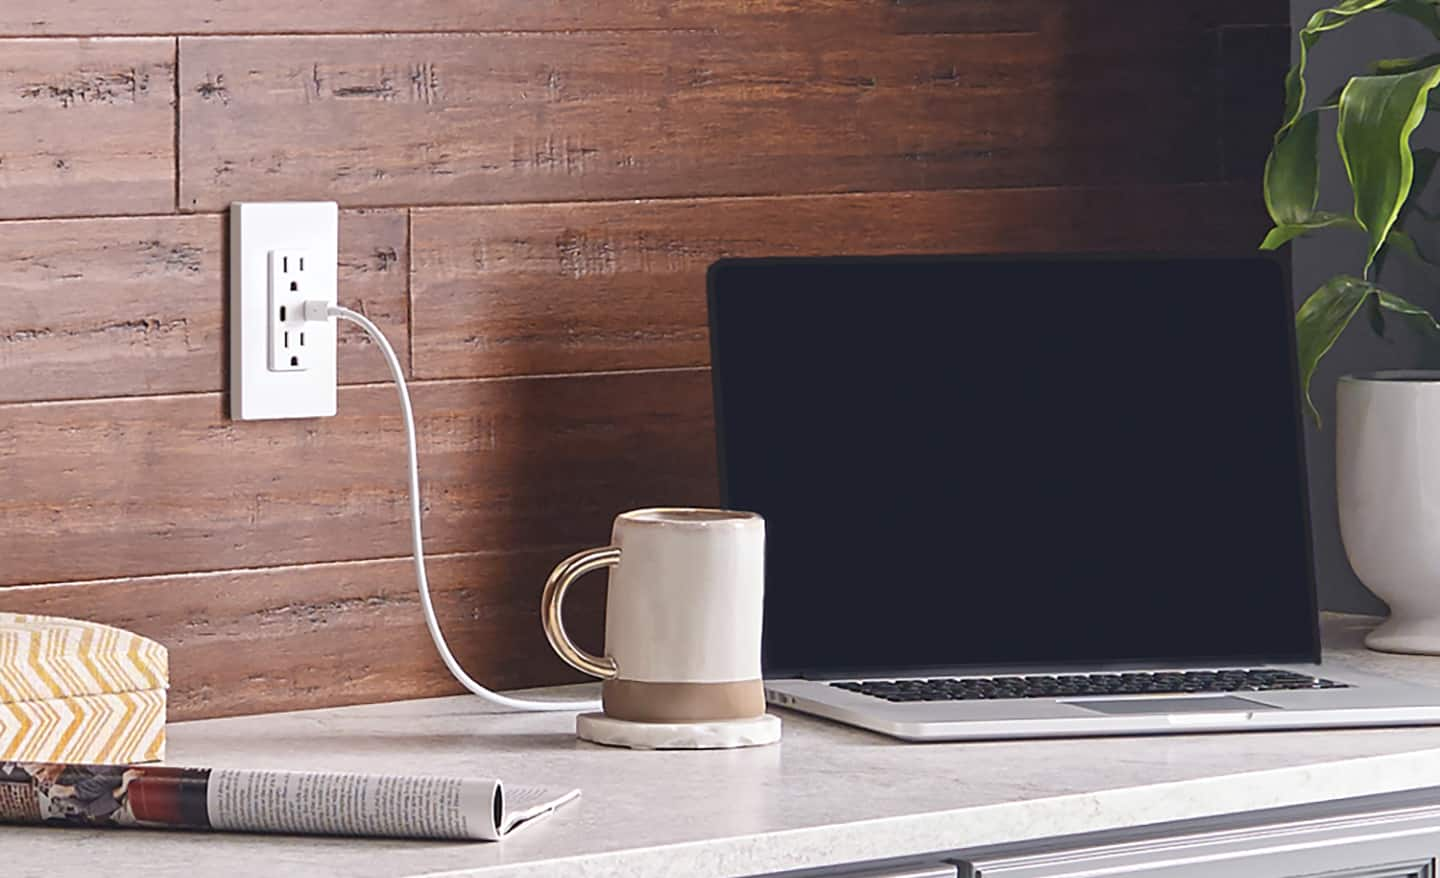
(240, 800)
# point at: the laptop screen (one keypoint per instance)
(991, 463)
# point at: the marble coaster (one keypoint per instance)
(719, 735)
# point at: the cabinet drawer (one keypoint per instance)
(1389, 844)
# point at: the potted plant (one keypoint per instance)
(1388, 423)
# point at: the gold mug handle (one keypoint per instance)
(553, 598)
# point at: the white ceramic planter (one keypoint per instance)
(1387, 436)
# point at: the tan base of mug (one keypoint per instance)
(639, 702)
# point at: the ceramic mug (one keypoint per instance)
(682, 618)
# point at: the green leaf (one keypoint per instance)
(1377, 116)
(1375, 317)
(1320, 321)
(1284, 234)
(1321, 22)
(1425, 162)
(1291, 185)
(1292, 173)
(1419, 319)
(1419, 316)
(1427, 12)
(1330, 309)
(1402, 243)
(1384, 67)
(1398, 240)
(1397, 66)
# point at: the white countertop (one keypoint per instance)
(827, 794)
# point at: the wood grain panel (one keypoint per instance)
(330, 634)
(101, 307)
(373, 276)
(42, 17)
(129, 306)
(167, 484)
(1253, 61)
(448, 119)
(88, 127)
(1232, 13)
(525, 289)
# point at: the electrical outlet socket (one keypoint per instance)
(282, 254)
(289, 285)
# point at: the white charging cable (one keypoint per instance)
(321, 311)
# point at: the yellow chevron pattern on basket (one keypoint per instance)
(112, 728)
(73, 691)
(43, 657)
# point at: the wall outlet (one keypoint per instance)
(290, 283)
(282, 254)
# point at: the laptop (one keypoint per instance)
(1030, 497)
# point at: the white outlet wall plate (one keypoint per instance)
(282, 254)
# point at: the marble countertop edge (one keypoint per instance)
(1001, 823)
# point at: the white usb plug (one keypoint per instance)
(315, 311)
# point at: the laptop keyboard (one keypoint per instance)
(1077, 685)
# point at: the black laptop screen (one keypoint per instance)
(997, 463)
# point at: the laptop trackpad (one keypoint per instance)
(1219, 704)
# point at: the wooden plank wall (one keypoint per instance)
(531, 194)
